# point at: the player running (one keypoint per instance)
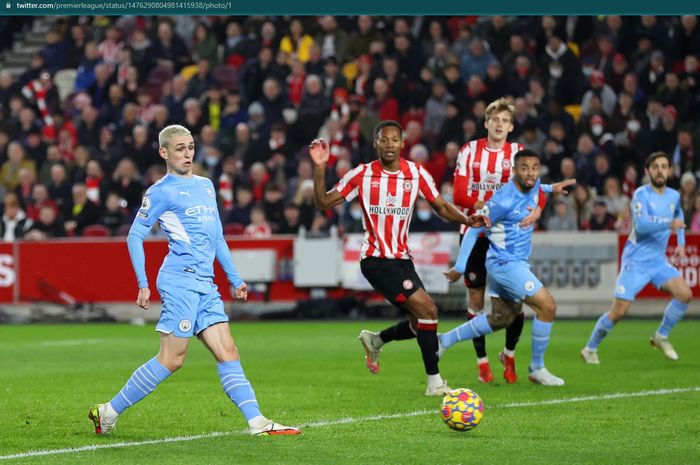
(510, 280)
(656, 212)
(185, 206)
(387, 190)
(484, 166)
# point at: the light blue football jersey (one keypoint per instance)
(187, 211)
(652, 213)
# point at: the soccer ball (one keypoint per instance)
(462, 409)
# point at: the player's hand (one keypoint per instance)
(532, 218)
(320, 152)
(680, 252)
(477, 221)
(452, 275)
(143, 298)
(677, 224)
(241, 293)
(558, 187)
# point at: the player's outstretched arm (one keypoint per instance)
(320, 153)
(449, 212)
(465, 249)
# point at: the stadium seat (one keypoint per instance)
(155, 80)
(123, 230)
(64, 80)
(96, 230)
(574, 111)
(226, 76)
(234, 229)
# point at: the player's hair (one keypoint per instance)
(525, 153)
(386, 124)
(654, 156)
(168, 132)
(499, 105)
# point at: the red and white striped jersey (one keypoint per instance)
(387, 201)
(481, 171)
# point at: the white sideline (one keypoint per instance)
(347, 420)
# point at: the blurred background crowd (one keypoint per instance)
(593, 95)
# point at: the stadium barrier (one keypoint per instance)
(576, 267)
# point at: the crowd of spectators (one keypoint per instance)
(593, 95)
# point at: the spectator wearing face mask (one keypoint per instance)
(353, 221)
(424, 220)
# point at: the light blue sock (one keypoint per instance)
(144, 380)
(601, 329)
(540, 340)
(478, 326)
(238, 388)
(673, 314)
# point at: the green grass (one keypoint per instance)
(309, 373)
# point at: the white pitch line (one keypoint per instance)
(349, 420)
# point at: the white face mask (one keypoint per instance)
(289, 115)
(447, 197)
(423, 215)
(556, 71)
(633, 125)
(211, 161)
(356, 214)
(597, 129)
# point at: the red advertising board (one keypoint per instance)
(689, 266)
(99, 270)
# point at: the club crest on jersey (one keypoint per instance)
(505, 164)
(185, 325)
(529, 285)
(210, 191)
(407, 185)
(408, 284)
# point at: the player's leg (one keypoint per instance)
(629, 283)
(507, 355)
(424, 309)
(542, 302)
(387, 277)
(175, 327)
(675, 310)
(475, 280)
(217, 338)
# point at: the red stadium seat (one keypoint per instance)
(96, 230)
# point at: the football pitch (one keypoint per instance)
(635, 408)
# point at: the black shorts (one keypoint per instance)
(475, 274)
(395, 279)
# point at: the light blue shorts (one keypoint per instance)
(634, 277)
(512, 281)
(190, 305)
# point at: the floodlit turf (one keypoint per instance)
(313, 374)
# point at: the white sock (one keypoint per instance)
(482, 360)
(509, 353)
(110, 414)
(258, 422)
(435, 380)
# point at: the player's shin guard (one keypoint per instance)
(673, 314)
(238, 388)
(428, 343)
(540, 340)
(142, 382)
(514, 331)
(398, 332)
(602, 327)
(478, 326)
